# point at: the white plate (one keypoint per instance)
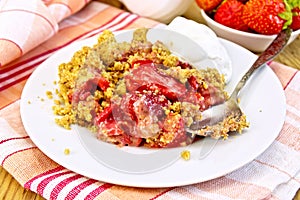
(263, 101)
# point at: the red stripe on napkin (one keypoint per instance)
(28, 184)
(15, 138)
(76, 190)
(42, 185)
(15, 74)
(19, 151)
(57, 189)
(290, 80)
(14, 82)
(98, 191)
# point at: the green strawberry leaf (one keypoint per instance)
(293, 3)
(288, 14)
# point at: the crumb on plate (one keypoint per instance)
(67, 151)
(185, 154)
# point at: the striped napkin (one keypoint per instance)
(27, 24)
(275, 174)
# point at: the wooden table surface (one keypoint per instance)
(11, 189)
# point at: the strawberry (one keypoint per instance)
(208, 5)
(173, 127)
(230, 13)
(295, 10)
(296, 19)
(263, 16)
(292, 14)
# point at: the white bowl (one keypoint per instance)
(252, 41)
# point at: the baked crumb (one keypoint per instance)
(49, 94)
(56, 102)
(185, 155)
(67, 151)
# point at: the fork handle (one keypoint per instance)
(272, 50)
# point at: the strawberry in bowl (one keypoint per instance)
(253, 23)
